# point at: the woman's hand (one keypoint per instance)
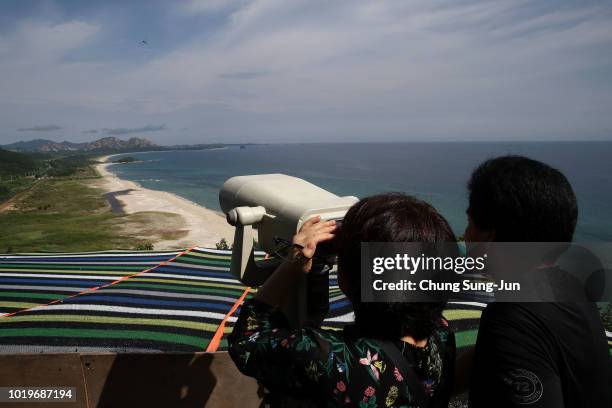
(313, 232)
(283, 281)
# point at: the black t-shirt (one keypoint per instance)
(541, 355)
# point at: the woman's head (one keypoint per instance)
(392, 217)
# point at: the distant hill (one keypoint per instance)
(17, 164)
(113, 143)
(106, 144)
(42, 145)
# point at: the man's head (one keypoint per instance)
(516, 199)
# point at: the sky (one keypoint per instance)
(299, 71)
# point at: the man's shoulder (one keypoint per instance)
(510, 310)
(545, 310)
(521, 319)
(564, 321)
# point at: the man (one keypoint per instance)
(533, 354)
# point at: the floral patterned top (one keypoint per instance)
(335, 368)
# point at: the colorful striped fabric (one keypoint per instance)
(118, 301)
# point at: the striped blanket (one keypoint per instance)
(120, 301)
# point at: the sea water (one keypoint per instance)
(435, 172)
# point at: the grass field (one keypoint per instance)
(67, 214)
(10, 187)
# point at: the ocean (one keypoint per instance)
(435, 172)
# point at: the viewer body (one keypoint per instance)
(353, 367)
(533, 354)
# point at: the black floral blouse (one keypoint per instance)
(335, 368)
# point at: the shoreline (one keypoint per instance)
(204, 227)
(104, 158)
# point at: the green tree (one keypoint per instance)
(222, 244)
(145, 246)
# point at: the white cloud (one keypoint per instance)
(207, 6)
(436, 69)
(46, 42)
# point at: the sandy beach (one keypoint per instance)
(201, 226)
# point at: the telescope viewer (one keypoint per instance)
(277, 206)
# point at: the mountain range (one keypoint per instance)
(105, 144)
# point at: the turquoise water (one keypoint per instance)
(435, 172)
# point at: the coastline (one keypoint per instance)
(202, 226)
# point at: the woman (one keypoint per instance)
(361, 365)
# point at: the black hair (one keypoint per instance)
(392, 217)
(522, 200)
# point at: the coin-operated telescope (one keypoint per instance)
(276, 205)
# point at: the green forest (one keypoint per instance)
(19, 171)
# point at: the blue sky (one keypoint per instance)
(305, 71)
